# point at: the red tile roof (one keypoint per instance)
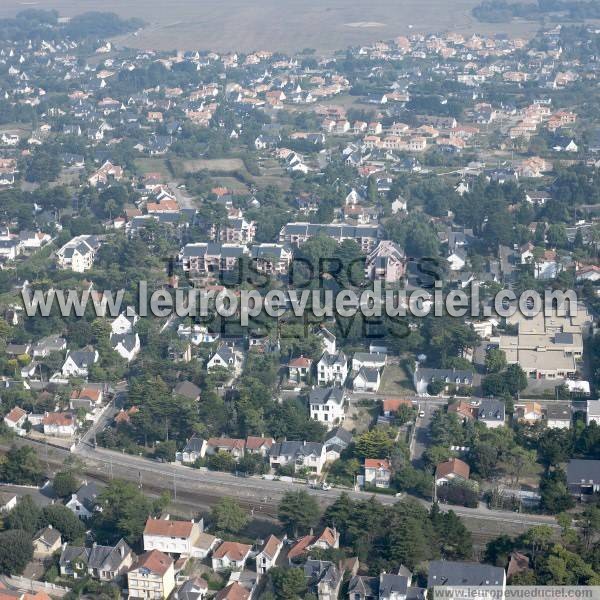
(234, 591)
(15, 414)
(58, 418)
(376, 463)
(255, 443)
(166, 527)
(454, 466)
(230, 443)
(155, 561)
(301, 546)
(233, 550)
(271, 546)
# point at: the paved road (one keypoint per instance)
(422, 438)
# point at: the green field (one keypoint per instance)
(325, 25)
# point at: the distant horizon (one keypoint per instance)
(235, 25)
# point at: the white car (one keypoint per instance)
(421, 414)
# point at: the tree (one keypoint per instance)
(288, 584)
(517, 461)
(16, 550)
(555, 446)
(538, 537)
(62, 519)
(21, 466)
(589, 522)
(375, 443)
(26, 515)
(64, 484)
(124, 512)
(495, 360)
(229, 516)
(298, 511)
(554, 493)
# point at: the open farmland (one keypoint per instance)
(325, 25)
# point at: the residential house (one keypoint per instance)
(204, 545)
(7, 502)
(78, 254)
(78, 363)
(171, 537)
(230, 556)
(259, 445)
(152, 576)
(386, 263)
(194, 449)
(387, 586)
(370, 360)
(15, 420)
(106, 174)
(232, 446)
(195, 588)
(49, 344)
(126, 345)
(423, 377)
(46, 542)
(328, 339)
(59, 424)
(328, 539)
(267, 557)
(378, 472)
(558, 416)
(224, 357)
(446, 573)
(332, 368)
(338, 437)
(367, 380)
(309, 455)
(450, 470)
(125, 322)
(299, 369)
(233, 591)
(529, 413)
(104, 563)
(491, 413)
(583, 477)
(592, 414)
(327, 405)
(83, 502)
(323, 579)
(88, 398)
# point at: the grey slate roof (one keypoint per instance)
(324, 395)
(339, 434)
(293, 448)
(108, 558)
(583, 471)
(491, 410)
(454, 573)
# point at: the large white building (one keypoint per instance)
(78, 254)
(171, 537)
(332, 368)
(327, 406)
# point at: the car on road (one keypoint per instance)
(421, 414)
